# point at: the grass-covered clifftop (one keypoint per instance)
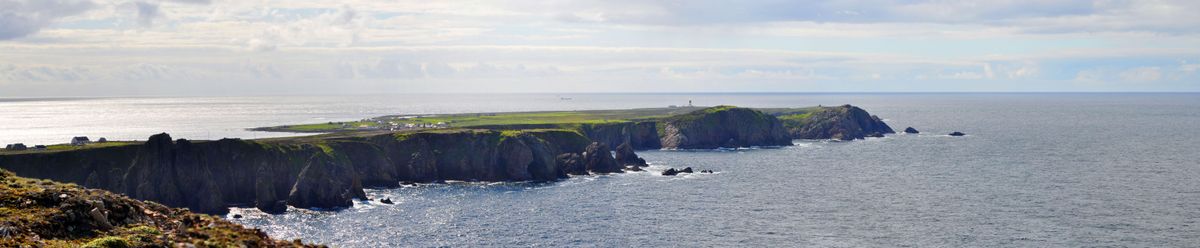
(844, 122)
(722, 126)
(822, 122)
(43, 213)
(561, 119)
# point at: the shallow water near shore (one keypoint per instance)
(1035, 170)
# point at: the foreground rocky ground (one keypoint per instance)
(42, 213)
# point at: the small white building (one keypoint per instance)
(80, 140)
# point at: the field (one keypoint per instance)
(68, 147)
(490, 119)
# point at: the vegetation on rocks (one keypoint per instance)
(43, 213)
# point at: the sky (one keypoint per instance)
(52, 48)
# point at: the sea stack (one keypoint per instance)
(911, 130)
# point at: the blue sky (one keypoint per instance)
(218, 47)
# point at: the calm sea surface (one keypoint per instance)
(1036, 170)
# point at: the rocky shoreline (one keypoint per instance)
(329, 172)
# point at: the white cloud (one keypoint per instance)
(539, 45)
(1141, 74)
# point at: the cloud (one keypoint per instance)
(570, 45)
(146, 13)
(20, 18)
(1141, 74)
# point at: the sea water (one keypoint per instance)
(1035, 170)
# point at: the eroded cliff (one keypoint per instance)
(844, 122)
(210, 176)
(330, 171)
(723, 126)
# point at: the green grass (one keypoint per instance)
(69, 147)
(559, 119)
(107, 242)
(321, 127)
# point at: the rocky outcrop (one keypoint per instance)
(598, 158)
(842, 123)
(956, 134)
(326, 183)
(625, 156)
(723, 126)
(911, 130)
(639, 135)
(40, 213)
(571, 164)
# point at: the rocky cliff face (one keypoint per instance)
(723, 126)
(210, 176)
(640, 135)
(843, 122)
(331, 171)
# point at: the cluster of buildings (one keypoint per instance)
(395, 126)
(75, 141)
(380, 124)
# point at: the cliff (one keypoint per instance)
(723, 126)
(42, 213)
(842, 122)
(210, 176)
(330, 171)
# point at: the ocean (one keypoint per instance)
(1035, 170)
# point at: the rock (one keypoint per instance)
(640, 135)
(386, 201)
(515, 157)
(626, 157)
(843, 123)
(911, 130)
(723, 126)
(875, 135)
(633, 168)
(706, 171)
(673, 171)
(571, 164)
(100, 219)
(325, 183)
(957, 134)
(598, 159)
(237, 216)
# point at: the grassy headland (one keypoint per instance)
(564, 119)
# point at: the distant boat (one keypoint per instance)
(564, 98)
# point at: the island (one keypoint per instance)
(330, 170)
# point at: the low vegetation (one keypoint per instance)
(43, 213)
(556, 119)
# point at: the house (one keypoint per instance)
(101, 140)
(80, 140)
(16, 147)
(39, 147)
